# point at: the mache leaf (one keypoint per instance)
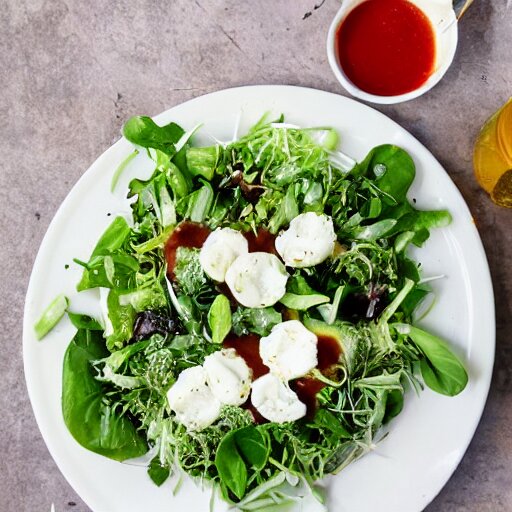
(219, 318)
(441, 369)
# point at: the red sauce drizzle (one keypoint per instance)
(387, 47)
(264, 241)
(248, 347)
(329, 351)
(306, 389)
(186, 234)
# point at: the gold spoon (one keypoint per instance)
(460, 7)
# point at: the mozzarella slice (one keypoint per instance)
(192, 400)
(290, 350)
(308, 241)
(219, 250)
(257, 279)
(228, 376)
(275, 401)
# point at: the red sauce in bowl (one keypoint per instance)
(386, 47)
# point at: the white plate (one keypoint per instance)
(426, 442)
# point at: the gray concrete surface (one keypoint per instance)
(72, 71)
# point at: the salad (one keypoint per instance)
(258, 312)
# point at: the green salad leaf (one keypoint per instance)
(219, 318)
(94, 422)
(143, 131)
(441, 370)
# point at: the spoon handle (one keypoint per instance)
(460, 7)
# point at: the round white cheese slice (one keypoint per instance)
(290, 350)
(192, 400)
(308, 241)
(257, 279)
(275, 401)
(219, 250)
(228, 376)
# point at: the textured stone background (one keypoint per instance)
(71, 71)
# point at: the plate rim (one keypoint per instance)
(247, 90)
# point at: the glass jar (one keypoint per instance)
(492, 158)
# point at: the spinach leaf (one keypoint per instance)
(394, 405)
(91, 420)
(392, 169)
(84, 322)
(219, 318)
(231, 466)
(143, 131)
(441, 370)
(238, 450)
(254, 446)
(118, 267)
(297, 284)
(113, 238)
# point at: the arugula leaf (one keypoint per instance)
(95, 423)
(219, 318)
(143, 131)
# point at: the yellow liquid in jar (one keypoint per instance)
(492, 158)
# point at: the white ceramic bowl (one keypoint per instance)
(444, 22)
